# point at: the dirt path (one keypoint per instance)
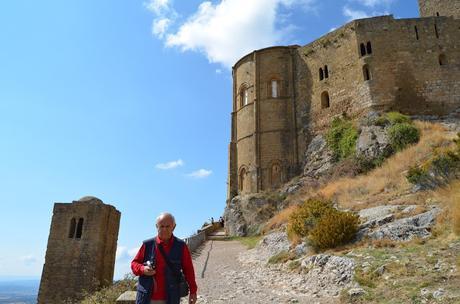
(223, 278)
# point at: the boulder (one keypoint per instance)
(373, 142)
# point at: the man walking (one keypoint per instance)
(158, 283)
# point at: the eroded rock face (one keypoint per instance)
(373, 142)
(245, 214)
(327, 275)
(271, 245)
(318, 158)
(382, 225)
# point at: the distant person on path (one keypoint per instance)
(212, 221)
(221, 221)
(158, 284)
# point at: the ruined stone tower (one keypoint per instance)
(81, 250)
(284, 96)
(449, 8)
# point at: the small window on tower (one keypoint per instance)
(321, 74)
(366, 73)
(363, 49)
(274, 85)
(73, 224)
(325, 100)
(442, 59)
(79, 228)
(369, 48)
(326, 72)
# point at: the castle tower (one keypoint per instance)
(430, 8)
(263, 147)
(81, 250)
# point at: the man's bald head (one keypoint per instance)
(165, 226)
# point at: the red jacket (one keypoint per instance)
(159, 288)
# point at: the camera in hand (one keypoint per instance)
(150, 264)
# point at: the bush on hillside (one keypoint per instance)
(334, 229)
(322, 224)
(392, 118)
(305, 217)
(341, 138)
(403, 134)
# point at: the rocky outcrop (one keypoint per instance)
(271, 245)
(379, 223)
(318, 158)
(327, 275)
(245, 214)
(373, 142)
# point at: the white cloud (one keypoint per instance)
(123, 253)
(224, 31)
(170, 165)
(373, 3)
(160, 26)
(354, 14)
(202, 173)
(159, 6)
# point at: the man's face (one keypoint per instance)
(165, 227)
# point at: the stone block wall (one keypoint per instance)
(430, 8)
(81, 249)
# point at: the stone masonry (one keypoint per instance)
(81, 250)
(284, 96)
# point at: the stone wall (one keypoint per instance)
(81, 249)
(439, 8)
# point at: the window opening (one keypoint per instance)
(326, 72)
(325, 100)
(321, 74)
(241, 179)
(369, 48)
(416, 32)
(366, 73)
(437, 14)
(436, 30)
(79, 228)
(274, 88)
(363, 49)
(442, 59)
(73, 224)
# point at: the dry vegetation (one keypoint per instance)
(388, 181)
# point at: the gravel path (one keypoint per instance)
(222, 277)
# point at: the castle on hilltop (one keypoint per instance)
(284, 95)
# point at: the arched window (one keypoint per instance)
(326, 72)
(274, 88)
(442, 59)
(366, 72)
(321, 74)
(275, 175)
(369, 48)
(244, 96)
(79, 228)
(324, 100)
(241, 179)
(73, 224)
(363, 49)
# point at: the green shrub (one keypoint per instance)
(403, 134)
(334, 229)
(416, 175)
(397, 118)
(322, 224)
(341, 138)
(304, 219)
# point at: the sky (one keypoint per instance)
(130, 101)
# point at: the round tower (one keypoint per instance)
(263, 148)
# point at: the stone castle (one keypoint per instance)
(285, 95)
(80, 255)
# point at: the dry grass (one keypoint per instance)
(389, 179)
(280, 219)
(450, 197)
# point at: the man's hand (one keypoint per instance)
(192, 298)
(149, 271)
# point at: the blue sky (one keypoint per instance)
(130, 101)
